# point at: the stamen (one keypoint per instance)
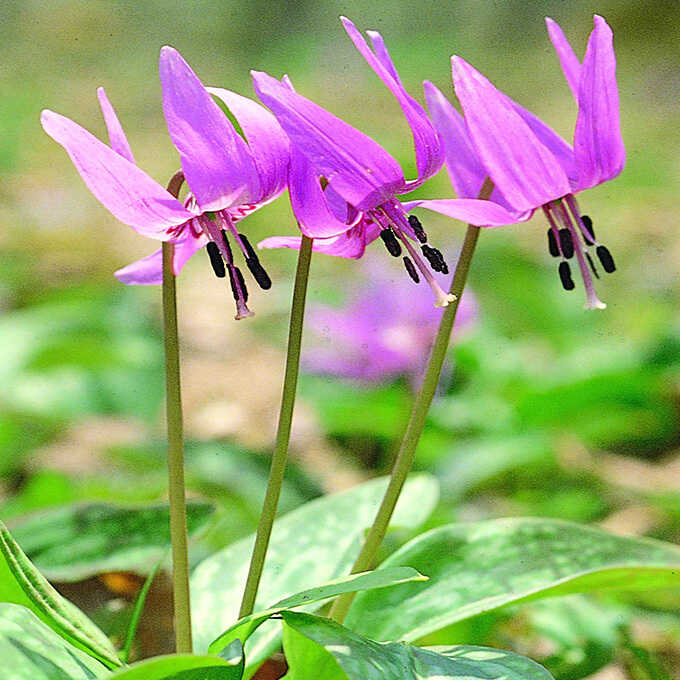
(565, 276)
(435, 258)
(253, 263)
(592, 265)
(216, 259)
(239, 291)
(410, 268)
(417, 228)
(391, 243)
(592, 301)
(553, 248)
(225, 240)
(566, 243)
(588, 233)
(606, 259)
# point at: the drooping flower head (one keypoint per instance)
(343, 185)
(376, 337)
(530, 165)
(228, 178)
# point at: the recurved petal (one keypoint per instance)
(314, 215)
(217, 163)
(568, 60)
(351, 244)
(429, 152)
(149, 270)
(472, 211)
(524, 170)
(117, 138)
(125, 190)
(355, 166)
(562, 151)
(267, 141)
(465, 169)
(598, 146)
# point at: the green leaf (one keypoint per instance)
(21, 583)
(479, 567)
(310, 545)
(32, 651)
(183, 667)
(344, 655)
(79, 541)
(347, 584)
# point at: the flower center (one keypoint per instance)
(572, 234)
(216, 227)
(396, 227)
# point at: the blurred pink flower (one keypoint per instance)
(383, 333)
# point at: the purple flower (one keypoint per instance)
(343, 185)
(377, 337)
(532, 166)
(227, 177)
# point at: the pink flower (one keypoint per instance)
(228, 177)
(531, 166)
(343, 185)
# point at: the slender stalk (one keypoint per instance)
(416, 423)
(278, 465)
(178, 514)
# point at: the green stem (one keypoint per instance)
(416, 423)
(278, 465)
(178, 514)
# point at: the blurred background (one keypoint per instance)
(545, 409)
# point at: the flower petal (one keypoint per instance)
(351, 244)
(117, 138)
(429, 151)
(314, 215)
(568, 60)
(562, 151)
(125, 190)
(465, 170)
(267, 141)
(217, 163)
(145, 272)
(522, 168)
(360, 170)
(472, 211)
(149, 270)
(598, 146)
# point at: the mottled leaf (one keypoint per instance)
(21, 583)
(344, 655)
(32, 651)
(347, 584)
(309, 546)
(478, 567)
(75, 542)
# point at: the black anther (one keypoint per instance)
(552, 243)
(606, 259)
(417, 228)
(411, 269)
(391, 243)
(216, 259)
(566, 243)
(225, 240)
(588, 224)
(565, 276)
(593, 268)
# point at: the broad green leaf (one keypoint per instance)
(182, 667)
(21, 583)
(478, 567)
(32, 651)
(75, 542)
(353, 657)
(347, 584)
(311, 545)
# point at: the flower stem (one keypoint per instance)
(176, 494)
(278, 465)
(416, 423)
